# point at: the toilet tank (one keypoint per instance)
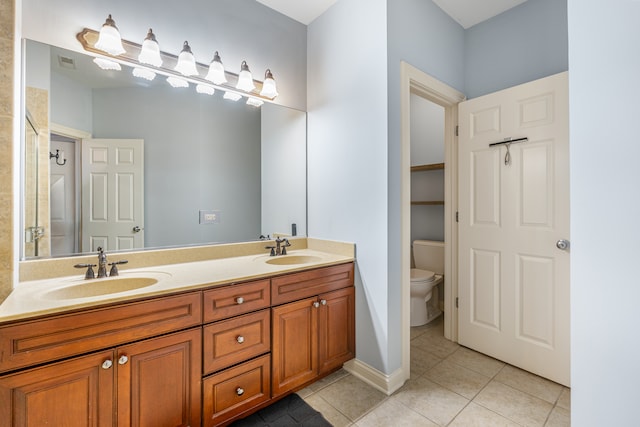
(429, 255)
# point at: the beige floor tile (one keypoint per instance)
(564, 401)
(457, 378)
(351, 397)
(422, 361)
(329, 379)
(478, 416)
(436, 344)
(530, 383)
(559, 418)
(305, 392)
(330, 413)
(393, 413)
(477, 362)
(516, 405)
(431, 400)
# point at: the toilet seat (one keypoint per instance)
(422, 276)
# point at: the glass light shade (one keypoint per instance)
(216, 71)
(177, 82)
(205, 89)
(232, 96)
(109, 39)
(254, 102)
(245, 81)
(150, 52)
(186, 62)
(269, 85)
(107, 64)
(144, 73)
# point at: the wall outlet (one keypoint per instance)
(209, 217)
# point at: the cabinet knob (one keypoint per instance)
(239, 300)
(123, 359)
(323, 301)
(107, 364)
(240, 339)
(239, 391)
(316, 304)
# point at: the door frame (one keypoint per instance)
(414, 81)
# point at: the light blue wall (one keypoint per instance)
(604, 90)
(522, 44)
(347, 155)
(239, 29)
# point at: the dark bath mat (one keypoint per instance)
(289, 411)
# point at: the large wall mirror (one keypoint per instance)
(128, 163)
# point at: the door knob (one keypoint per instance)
(562, 244)
(137, 229)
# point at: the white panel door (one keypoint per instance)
(62, 198)
(513, 209)
(112, 194)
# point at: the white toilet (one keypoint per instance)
(428, 256)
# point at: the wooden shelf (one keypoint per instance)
(429, 203)
(431, 167)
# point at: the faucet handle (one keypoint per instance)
(89, 274)
(273, 250)
(114, 268)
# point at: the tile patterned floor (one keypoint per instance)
(450, 385)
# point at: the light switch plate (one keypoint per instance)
(209, 217)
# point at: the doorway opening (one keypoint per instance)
(417, 83)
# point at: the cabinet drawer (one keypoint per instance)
(32, 342)
(229, 342)
(236, 390)
(230, 301)
(306, 284)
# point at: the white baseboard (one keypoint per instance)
(383, 382)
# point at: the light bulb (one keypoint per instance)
(245, 81)
(269, 85)
(150, 52)
(216, 70)
(186, 62)
(109, 39)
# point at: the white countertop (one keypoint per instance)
(36, 298)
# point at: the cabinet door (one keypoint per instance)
(336, 329)
(77, 392)
(294, 345)
(159, 381)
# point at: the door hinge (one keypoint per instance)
(457, 130)
(457, 217)
(456, 302)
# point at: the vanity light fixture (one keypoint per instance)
(269, 85)
(107, 64)
(254, 102)
(205, 89)
(232, 96)
(177, 82)
(150, 52)
(109, 40)
(186, 62)
(245, 81)
(144, 73)
(216, 70)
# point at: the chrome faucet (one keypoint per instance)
(102, 263)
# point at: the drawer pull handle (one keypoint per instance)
(239, 300)
(107, 364)
(240, 339)
(316, 304)
(323, 301)
(123, 359)
(239, 391)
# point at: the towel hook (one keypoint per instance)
(57, 157)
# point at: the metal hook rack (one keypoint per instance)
(508, 142)
(57, 157)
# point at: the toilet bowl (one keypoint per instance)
(429, 260)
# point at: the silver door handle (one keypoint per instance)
(137, 229)
(562, 244)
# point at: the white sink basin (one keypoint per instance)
(103, 286)
(292, 259)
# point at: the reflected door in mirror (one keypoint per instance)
(63, 196)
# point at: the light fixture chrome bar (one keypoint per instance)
(88, 37)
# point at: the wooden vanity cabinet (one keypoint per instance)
(149, 383)
(314, 335)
